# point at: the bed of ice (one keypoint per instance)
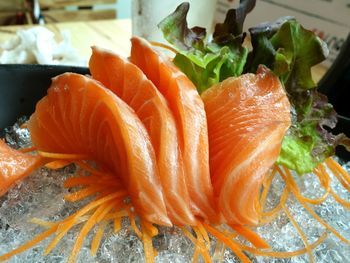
(41, 196)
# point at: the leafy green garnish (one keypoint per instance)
(204, 62)
(287, 49)
(290, 51)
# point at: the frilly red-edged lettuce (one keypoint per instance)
(284, 46)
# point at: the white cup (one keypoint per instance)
(146, 15)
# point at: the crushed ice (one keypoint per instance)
(41, 196)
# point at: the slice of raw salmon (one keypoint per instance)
(80, 116)
(188, 109)
(132, 86)
(247, 119)
(14, 166)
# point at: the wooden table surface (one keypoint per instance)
(110, 34)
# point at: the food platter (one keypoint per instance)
(253, 205)
(23, 86)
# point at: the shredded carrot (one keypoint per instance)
(219, 251)
(158, 44)
(147, 245)
(110, 181)
(339, 173)
(203, 248)
(266, 188)
(195, 257)
(68, 224)
(337, 167)
(99, 213)
(27, 150)
(228, 242)
(287, 177)
(57, 164)
(83, 193)
(340, 200)
(280, 254)
(118, 214)
(133, 222)
(79, 181)
(204, 233)
(63, 156)
(96, 241)
(251, 236)
(41, 222)
(117, 224)
(268, 216)
(322, 222)
(149, 228)
(199, 246)
(30, 243)
(301, 234)
(89, 168)
(188, 235)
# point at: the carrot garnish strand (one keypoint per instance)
(131, 216)
(288, 177)
(96, 241)
(57, 164)
(63, 156)
(27, 150)
(30, 243)
(89, 168)
(227, 241)
(251, 236)
(201, 246)
(147, 243)
(300, 232)
(83, 193)
(99, 213)
(158, 44)
(219, 251)
(286, 254)
(42, 223)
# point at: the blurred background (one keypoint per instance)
(50, 11)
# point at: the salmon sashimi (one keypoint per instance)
(132, 86)
(80, 116)
(188, 109)
(247, 120)
(15, 165)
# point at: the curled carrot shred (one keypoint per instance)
(281, 254)
(301, 234)
(27, 150)
(227, 241)
(96, 241)
(158, 44)
(251, 236)
(63, 156)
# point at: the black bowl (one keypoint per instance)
(23, 85)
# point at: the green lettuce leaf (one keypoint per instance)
(208, 62)
(176, 31)
(290, 51)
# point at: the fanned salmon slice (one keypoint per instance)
(188, 109)
(132, 86)
(247, 119)
(15, 165)
(83, 117)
